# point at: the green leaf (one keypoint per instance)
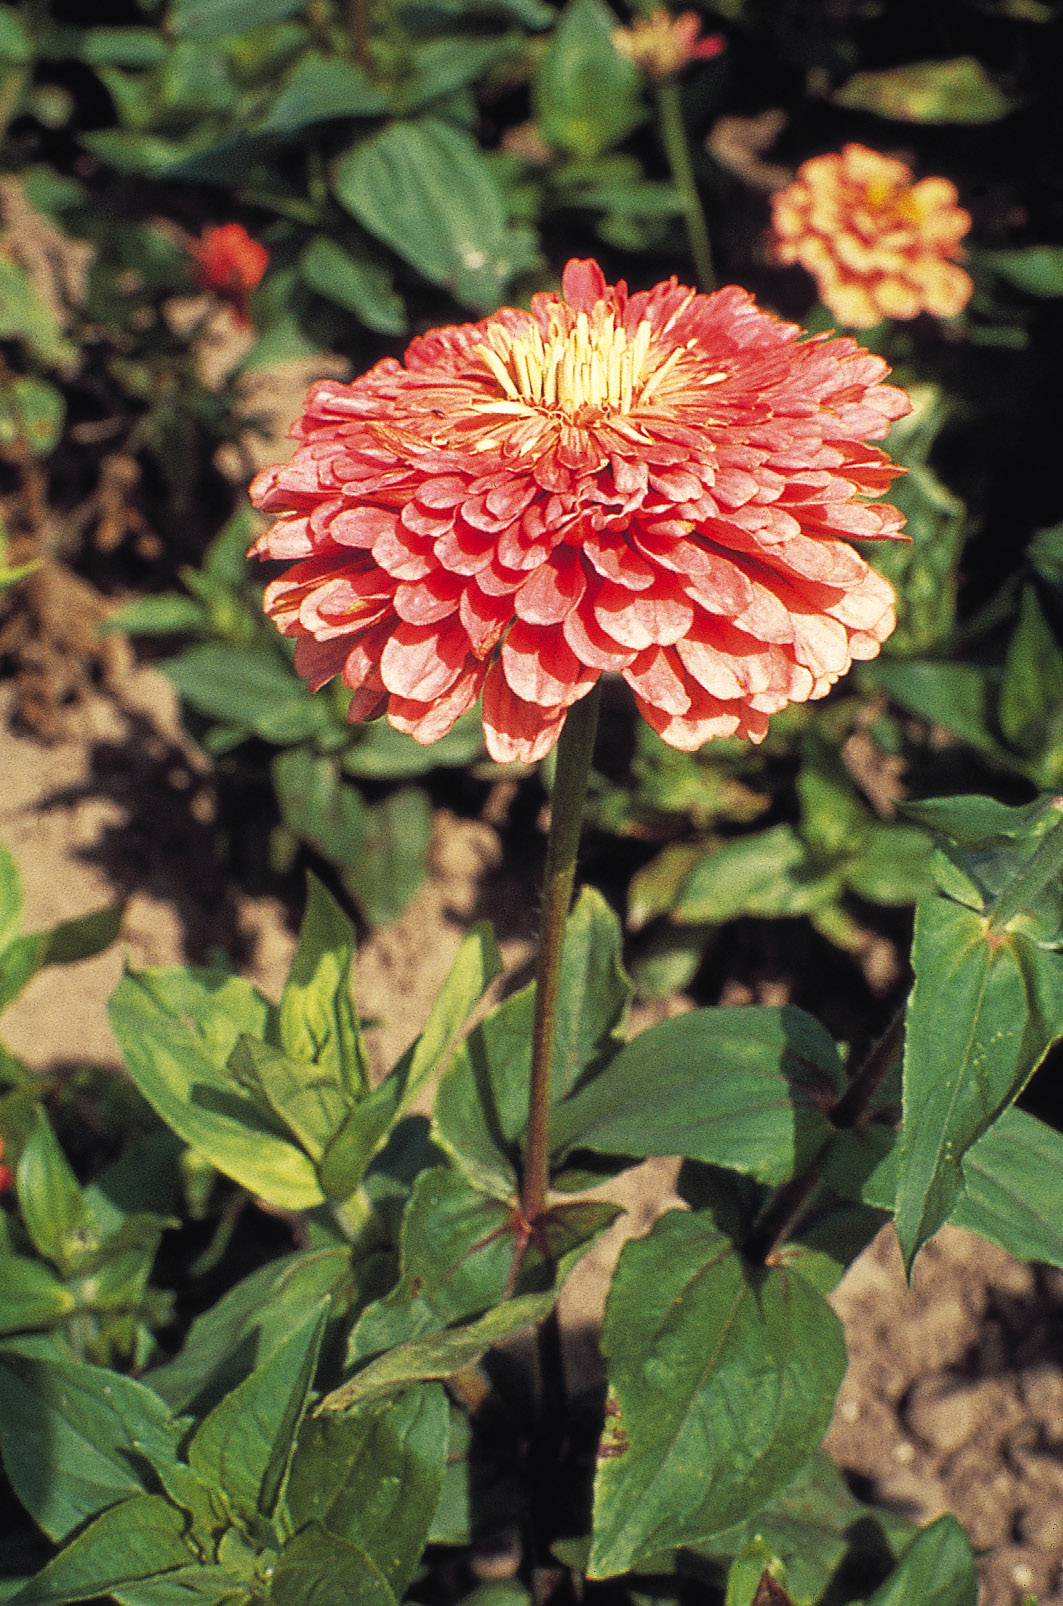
(319, 88)
(247, 1325)
(721, 1381)
(317, 1568)
(177, 1030)
(316, 1019)
(954, 695)
(201, 1584)
(135, 1539)
(168, 614)
(32, 411)
(481, 1105)
(938, 1569)
(893, 866)
(24, 316)
(363, 287)
(16, 44)
(317, 807)
(438, 67)
(1036, 269)
(73, 940)
(426, 190)
(245, 1446)
(586, 95)
(475, 966)
(31, 1296)
(981, 1017)
(439, 1355)
(213, 19)
(10, 898)
(1011, 1188)
(813, 1527)
(78, 1438)
(955, 91)
(738, 1087)
(253, 687)
(1030, 705)
(304, 1097)
(374, 1476)
(49, 1194)
(768, 873)
(392, 861)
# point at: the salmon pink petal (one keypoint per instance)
(425, 602)
(582, 284)
(423, 661)
(591, 644)
(541, 667)
(641, 619)
(427, 721)
(485, 618)
(551, 591)
(656, 678)
(320, 661)
(514, 729)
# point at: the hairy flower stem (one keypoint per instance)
(575, 749)
(674, 139)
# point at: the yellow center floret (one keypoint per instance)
(593, 364)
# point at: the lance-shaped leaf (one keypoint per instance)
(462, 1252)
(937, 1569)
(742, 1088)
(31, 1295)
(136, 1539)
(1011, 1188)
(316, 1019)
(475, 966)
(177, 1030)
(985, 1008)
(78, 1438)
(721, 1382)
(374, 1477)
(247, 1324)
(245, 1446)
(321, 1568)
(481, 1107)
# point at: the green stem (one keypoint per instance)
(1046, 864)
(575, 749)
(674, 139)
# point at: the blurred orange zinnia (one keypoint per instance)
(662, 484)
(230, 262)
(878, 244)
(663, 44)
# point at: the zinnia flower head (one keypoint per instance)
(878, 244)
(662, 484)
(230, 262)
(662, 45)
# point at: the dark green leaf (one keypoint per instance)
(363, 287)
(1036, 269)
(244, 1447)
(585, 93)
(316, 1019)
(135, 1539)
(317, 807)
(1011, 1188)
(392, 860)
(438, 67)
(954, 695)
(475, 966)
(252, 687)
(49, 1194)
(77, 1438)
(1030, 705)
(595, 994)
(956, 91)
(426, 190)
(177, 1030)
(247, 1325)
(213, 19)
(31, 1296)
(893, 866)
(373, 1477)
(24, 316)
(721, 1382)
(937, 1569)
(981, 1016)
(317, 1568)
(767, 873)
(319, 88)
(743, 1088)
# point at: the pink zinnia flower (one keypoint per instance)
(878, 244)
(662, 484)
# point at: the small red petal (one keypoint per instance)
(552, 590)
(423, 661)
(427, 721)
(655, 677)
(485, 618)
(582, 284)
(541, 667)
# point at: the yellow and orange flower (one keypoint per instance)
(663, 484)
(663, 44)
(231, 263)
(878, 244)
